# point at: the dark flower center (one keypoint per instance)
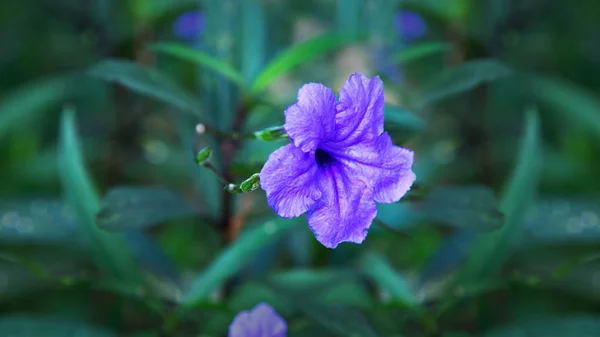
(323, 158)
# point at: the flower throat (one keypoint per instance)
(323, 158)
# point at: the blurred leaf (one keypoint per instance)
(419, 50)
(464, 77)
(452, 11)
(31, 99)
(379, 269)
(332, 286)
(400, 121)
(150, 256)
(252, 38)
(33, 271)
(493, 249)
(348, 14)
(449, 255)
(334, 318)
(111, 254)
(37, 221)
(146, 81)
(296, 55)
(233, 259)
(562, 221)
(29, 326)
(201, 58)
(559, 326)
(128, 207)
(464, 207)
(575, 102)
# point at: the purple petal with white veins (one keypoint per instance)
(261, 321)
(290, 179)
(385, 168)
(312, 118)
(345, 212)
(360, 116)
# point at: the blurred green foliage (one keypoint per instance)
(108, 226)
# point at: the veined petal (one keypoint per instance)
(385, 168)
(312, 118)
(289, 178)
(261, 321)
(360, 115)
(346, 210)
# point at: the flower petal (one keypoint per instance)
(360, 115)
(312, 118)
(346, 210)
(385, 168)
(289, 179)
(261, 321)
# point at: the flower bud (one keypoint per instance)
(272, 133)
(203, 155)
(251, 183)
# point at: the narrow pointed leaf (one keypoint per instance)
(465, 207)
(145, 81)
(233, 259)
(576, 103)
(110, 251)
(379, 270)
(492, 250)
(132, 207)
(200, 58)
(296, 55)
(463, 78)
(419, 50)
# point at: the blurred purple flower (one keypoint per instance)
(410, 25)
(340, 161)
(189, 25)
(261, 321)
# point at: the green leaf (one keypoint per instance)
(401, 122)
(575, 102)
(200, 58)
(296, 55)
(562, 222)
(493, 249)
(253, 36)
(233, 259)
(32, 99)
(145, 81)
(336, 319)
(379, 270)
(448, 256)
(47, 326)
(111, 254)
(332, 286)
(128, 207)
(419, 50)
(465, 207)
(559, 326)
(37, 221)
(463, 78)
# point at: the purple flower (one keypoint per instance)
(410, 25)
(189, 25)
(340, 161)
(261, 321)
